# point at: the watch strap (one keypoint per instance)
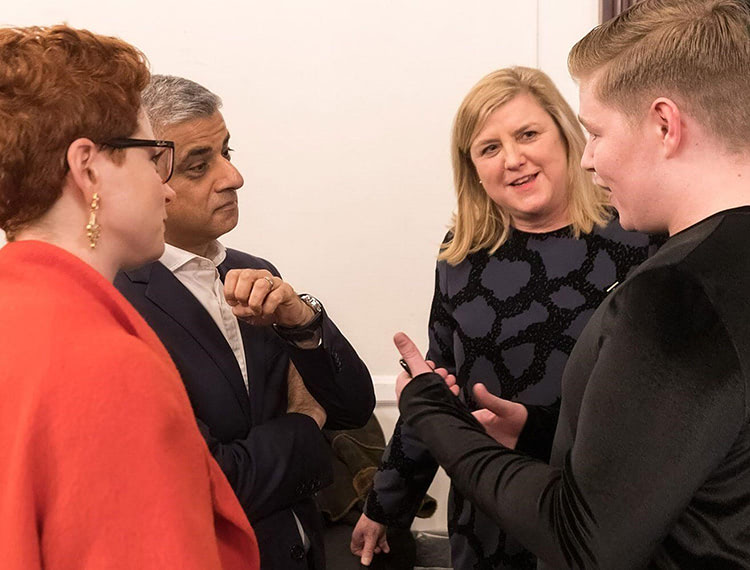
(310, 329)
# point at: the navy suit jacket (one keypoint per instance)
(275, 461)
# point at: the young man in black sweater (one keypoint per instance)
(651, 456)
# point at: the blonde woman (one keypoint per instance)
(532, 251)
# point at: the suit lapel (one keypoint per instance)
(166, 291)
(254, 341)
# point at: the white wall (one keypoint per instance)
(340, 114)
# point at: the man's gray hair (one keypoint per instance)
(169, 100)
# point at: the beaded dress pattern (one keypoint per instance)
(508, 320)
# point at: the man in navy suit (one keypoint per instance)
(265, 368)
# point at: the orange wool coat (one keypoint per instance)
(101, 462)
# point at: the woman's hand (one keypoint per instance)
(368, 539)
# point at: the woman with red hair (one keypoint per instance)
(103, 465)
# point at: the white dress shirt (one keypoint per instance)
(201, 276)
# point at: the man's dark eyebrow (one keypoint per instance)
(195, 152)
(201, 151)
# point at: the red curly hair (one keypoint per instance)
(58, 84)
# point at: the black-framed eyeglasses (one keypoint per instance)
(163, 161)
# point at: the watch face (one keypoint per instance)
(312, 302)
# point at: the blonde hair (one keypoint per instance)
(696, 52)
(479, 223)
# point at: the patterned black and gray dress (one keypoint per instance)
(508, 320)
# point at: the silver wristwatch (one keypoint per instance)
(313, 303)
(310, 330)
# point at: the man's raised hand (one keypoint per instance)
(260, 298)
(502, 419)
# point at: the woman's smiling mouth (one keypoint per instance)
(524, 180)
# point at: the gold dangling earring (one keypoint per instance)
(92, 228)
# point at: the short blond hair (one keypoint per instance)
(479, 223)
(696, 52)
